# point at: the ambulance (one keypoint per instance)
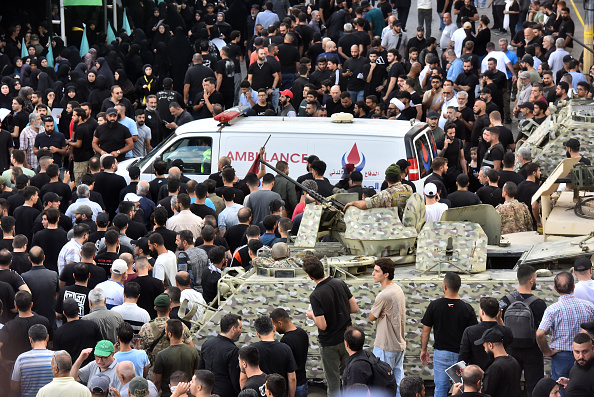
(370, 145)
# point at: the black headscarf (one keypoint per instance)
(105, 71)
(159, 37)
(173, 18)
(133, 63)
(179, 49)
(5, 100)
(98, 95)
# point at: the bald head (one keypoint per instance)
(127, 257)
(471, 376)
(125, 371)
(197, 58)
(61, 364)
(174, 173)
(183, 280)
(142, 188)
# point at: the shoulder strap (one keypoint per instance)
(511, 298)
(530, 300)
(188, 316)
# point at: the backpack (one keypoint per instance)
(383, 375)
(519, 318)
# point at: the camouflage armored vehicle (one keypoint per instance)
(569, 119)
(422, 252)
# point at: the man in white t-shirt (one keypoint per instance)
(166, 262)
(183, 282)
(448, 32)
(113, 288)
(584, 289)
(433, 208)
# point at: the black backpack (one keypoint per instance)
(383, 375)
(519, 318)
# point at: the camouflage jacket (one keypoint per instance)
(394, 196)
(153, 330)
(515, 217)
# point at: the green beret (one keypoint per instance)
(163, 300)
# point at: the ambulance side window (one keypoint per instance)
(196, 153)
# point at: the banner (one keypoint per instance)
(70, 3)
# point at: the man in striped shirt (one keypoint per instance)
(33, 369)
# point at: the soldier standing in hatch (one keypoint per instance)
(394, 196)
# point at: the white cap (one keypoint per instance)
(119, 266)
(132, 197)
(430, 189)
(398, 103)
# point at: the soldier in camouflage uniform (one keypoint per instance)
(395, 195)
(153, 335)
(515, 216)
(280, 258)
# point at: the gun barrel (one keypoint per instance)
(315, 195)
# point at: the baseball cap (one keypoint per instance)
(51, 197)
(134, 172)
(430, 189)
(111, 111)
(99, 384)
(396, 22)
(104, 348)
(486, 91)
(287, 93)
(567, 58)
(162, 300)
(102, 219)
(179, 163)
(138, 387)
(526, 105)
(467, 25)
(582, 263)
(393, 170)
(83, 209)
(403, 164)
(572, 143)
(70, 307)
(492, 335)
(119, 266)
(432, 114)
(420, 29)
(133, 197)
(142, 243)
(525, 75)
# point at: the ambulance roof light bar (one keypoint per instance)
(228, 115)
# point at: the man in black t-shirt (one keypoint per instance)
(263, 104)
(502, 378)
(448, 317)
(96, 274)
(82, 142)
(275, 357)
(225, 74)
(204, 101)
(249, 365)
(331, 306)
(530, 358)
(527, 189)
(25, 214)
(261, 74)
(298, 340)
(112, 137)
(581, 376)
(20, 119)
(489, 193)
(494, 155)
(462, 197)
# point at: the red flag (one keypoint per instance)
(255, 168)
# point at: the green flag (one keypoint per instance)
(50, 54)
(84, 44)
(110, 34)
(24, 52)
(126, 23)
(82, 3)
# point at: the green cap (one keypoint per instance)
(138, 387)
(104, 348)
(163, 300)
(393, 170)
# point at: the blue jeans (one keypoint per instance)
(275, 97)
(357, 95)
(288, 79)
(396, 361)
(442, 360)
(301, 391)
(561, 364)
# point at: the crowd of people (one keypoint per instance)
(102, 281)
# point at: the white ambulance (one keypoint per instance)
(370, 145)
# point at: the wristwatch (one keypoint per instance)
(118, 152)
